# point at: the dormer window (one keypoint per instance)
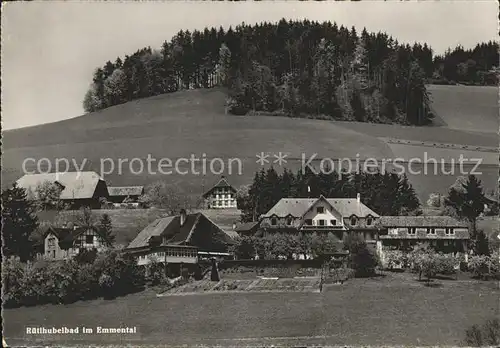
(309, 222)
(274, 221)
(333, 222)
(289, 221)
(369, 220)
(320, 210)
(354, 220)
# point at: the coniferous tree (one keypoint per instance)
(19, 221)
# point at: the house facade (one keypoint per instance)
(335, 216)
(221, 196)
(443, 233)
(78, 189)
(65, 243)
(179, 239)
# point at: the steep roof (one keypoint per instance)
(171, 228)
(76, 185)
(420, 221)
(125, 190)
(66, 236)
(298, 207)
(222, 183)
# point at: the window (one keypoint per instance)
(431, 231)
(289, 221)
(89, 239)
(333, 222)
(450, 231)
(320, 210)
(274, 221)
(369, 220)
(412, 230)
(322, 222)
(52, 242)
(309, 222)
(354, 220)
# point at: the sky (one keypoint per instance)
(51, 49)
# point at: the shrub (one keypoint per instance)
(483, 266)
(395, 259)
(67, 281)
(361, 259)
(487, 335)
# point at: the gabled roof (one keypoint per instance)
(222, 183)
(66, 236)
(299, 206)
(125, 190)
(77, 185)
(420, 221)
(170, 228)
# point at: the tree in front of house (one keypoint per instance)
(361, 259)
(47, 196)
(163, 196)
(105, 227)
(19, 221)
(467, 199)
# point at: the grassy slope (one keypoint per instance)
(192, 122)
(390, 311)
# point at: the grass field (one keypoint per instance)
(395, 310)
(193, 122)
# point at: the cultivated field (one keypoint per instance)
(193, 122)
(395, 310)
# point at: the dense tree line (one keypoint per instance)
(476, 66)
(296, 68)
(385, 193)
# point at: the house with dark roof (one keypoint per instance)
(179, 239)
(64, 243)
(221, 196)
(77, 188)
(443, 233)
(125, 194)
(335, 216)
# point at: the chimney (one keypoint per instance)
(358, 198)
(183, 216)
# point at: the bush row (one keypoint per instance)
(109, 275)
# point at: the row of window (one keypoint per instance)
(226, 203)
(172, 253)
(431, 231)
(322, 222)
(223, 196)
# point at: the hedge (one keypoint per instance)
(111, 274)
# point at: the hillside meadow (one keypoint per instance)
(193, 123)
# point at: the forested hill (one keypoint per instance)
(296, 68)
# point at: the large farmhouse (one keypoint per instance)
(337, 216)
(221, 196)
(65, 243)
(77, 188)
(443, 233)
(340, 217)
(179, 239)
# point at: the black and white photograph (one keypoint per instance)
(250, 174)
